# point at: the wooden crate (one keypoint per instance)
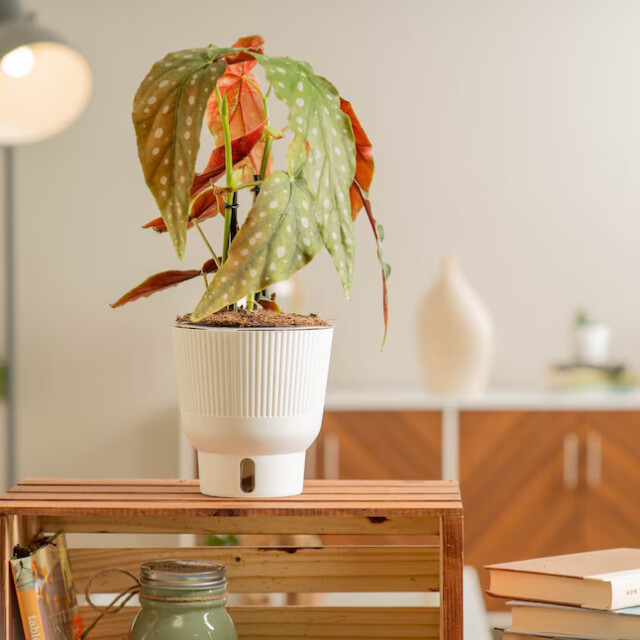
(428, 511)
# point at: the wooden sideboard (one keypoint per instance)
(543, 476)
(548, 482)
(540, 474)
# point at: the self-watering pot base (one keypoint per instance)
(251, 476)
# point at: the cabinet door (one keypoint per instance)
(379, 445)
(612, 479)
(519, 476)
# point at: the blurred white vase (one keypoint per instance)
(456, 335)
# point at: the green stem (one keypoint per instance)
(265, 158)
(206, 282)
(204, 238)
(247, 185)
(250, 299)
(269, 140)
(223, 106)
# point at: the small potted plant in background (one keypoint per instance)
(251, 379)
(591, 340)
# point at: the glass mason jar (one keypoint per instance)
(183, 599)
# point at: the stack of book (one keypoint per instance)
(593, 595)
(578, 376)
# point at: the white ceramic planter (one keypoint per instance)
(251, 402)
(592, 343)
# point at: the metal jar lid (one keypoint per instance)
(183, 574)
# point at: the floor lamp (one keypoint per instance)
(45, 85)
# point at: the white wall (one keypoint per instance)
(506, 131)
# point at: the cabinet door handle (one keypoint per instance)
(571, 461)
(331, 457)
(594, 460)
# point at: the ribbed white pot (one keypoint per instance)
(251, 402)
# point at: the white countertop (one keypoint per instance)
(540, 400)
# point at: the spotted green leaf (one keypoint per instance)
(278, 237)
(315, 114)
(168, 110)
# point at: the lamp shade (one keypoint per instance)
(44, 84)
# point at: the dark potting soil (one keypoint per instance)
(257, 318)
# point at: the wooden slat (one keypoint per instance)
(451, 563)
(13, 530)
(172, 482)
(320, 525)
(296, 623)
(195, 500)
(278, 569)
(6, 542)
(231, 509)
(194, 490)
(182, 498)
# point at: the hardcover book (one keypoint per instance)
(507, 634)
(45, 591)
(607, 579)
(557, 620)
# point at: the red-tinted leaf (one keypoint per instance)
(240, 148)
(364, 159)
(203, 201)
(209, 266)
(378, 232)
(206, 209)
(252, 43)
(270, 305)
(154, 283)
(164, 280)
(246, 107)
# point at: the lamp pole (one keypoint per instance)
(10, 301)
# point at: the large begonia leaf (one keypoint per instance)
(279, 237)
(315, 114)
(163, 280)
(364, 159)
(246, 106)
(168, 110)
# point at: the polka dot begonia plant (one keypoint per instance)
(311, 204)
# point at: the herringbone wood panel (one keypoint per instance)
(612, 506)
(385, 445)
(511, 476)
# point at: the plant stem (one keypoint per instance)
(234, 229)
(223, 106)
(269, 141)
(265, 158)
(204, 238)
(206, 282)
(247, 185)
(263, 168)
(256, 191)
